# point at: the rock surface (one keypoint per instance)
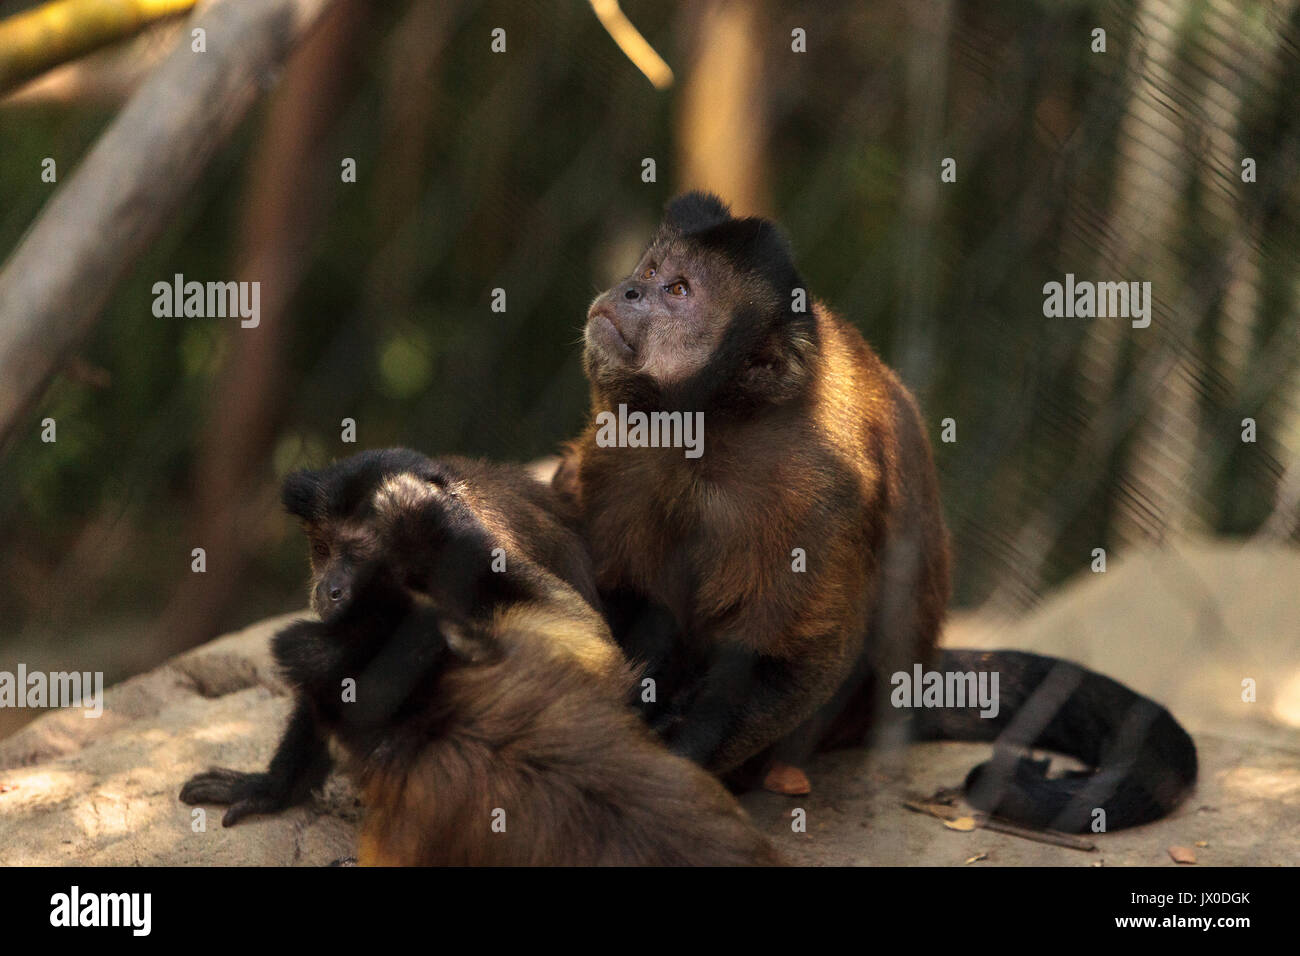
(103, 791)
(1186, 625)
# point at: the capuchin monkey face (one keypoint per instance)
(709, 311)
(385, 525)
(335, 504)
(343, 563)
(663, 321)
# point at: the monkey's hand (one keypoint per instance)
(245, 793)
(432, 540)
(410, 514)
(744, 703)
(301, 762)
(564, 480)
(403, 503)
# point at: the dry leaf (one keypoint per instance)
(1182, 854)
(783, 778)
(1202, 843)
(977, 857)
(961, 823)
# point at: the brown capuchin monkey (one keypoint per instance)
(464, 670)
(759, 497)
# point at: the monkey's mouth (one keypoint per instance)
(322, 608)
(604, 336)
(327, 611)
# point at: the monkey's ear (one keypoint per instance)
(302, 494)
(694, 212)
(779, 370)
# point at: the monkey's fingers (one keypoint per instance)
(783, 778)
(401, 496)
(251, 807)
(218, 785)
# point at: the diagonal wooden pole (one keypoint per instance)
(40, 39)
(57, 281)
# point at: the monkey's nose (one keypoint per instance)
(632, 294)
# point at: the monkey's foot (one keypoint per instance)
(245, 793)
(783, 778)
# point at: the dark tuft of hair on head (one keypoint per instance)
(302, 493)
(756, 246)
(753, 244)
(694, 212)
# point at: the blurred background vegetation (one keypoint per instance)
(522, 171)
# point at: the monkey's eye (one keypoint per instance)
(320, 549)
(678, 288)
(648, 273)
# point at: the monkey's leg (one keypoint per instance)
(650, 637)
(747, 701)
(300, 764)
(847, 711)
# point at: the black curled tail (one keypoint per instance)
(1143, 761)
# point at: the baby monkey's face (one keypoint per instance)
(346, 556)
(349, 537)
(383, 521)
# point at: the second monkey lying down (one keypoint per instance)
(490, 722)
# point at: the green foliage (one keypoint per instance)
(521, 172)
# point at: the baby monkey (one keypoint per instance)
(463, 668)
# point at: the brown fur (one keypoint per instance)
(530, 718)
(475, 688)
(812, 443)
(827, 454)
(581, 779)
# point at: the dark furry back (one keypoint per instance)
(480, 691)
(581, 780)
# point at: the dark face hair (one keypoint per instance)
(431, 542)
(335, 505)
(706, 317)
(344, 489)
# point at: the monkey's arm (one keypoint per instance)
(425, 531)
(745, 702)
(565, 481)
(301, 763)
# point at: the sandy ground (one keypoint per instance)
(1186, 625)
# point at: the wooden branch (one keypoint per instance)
(105, 79)
(41, 38)
(722, 111)
(143, 167)
(632, 43)
(290, 187)
(985, 822)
